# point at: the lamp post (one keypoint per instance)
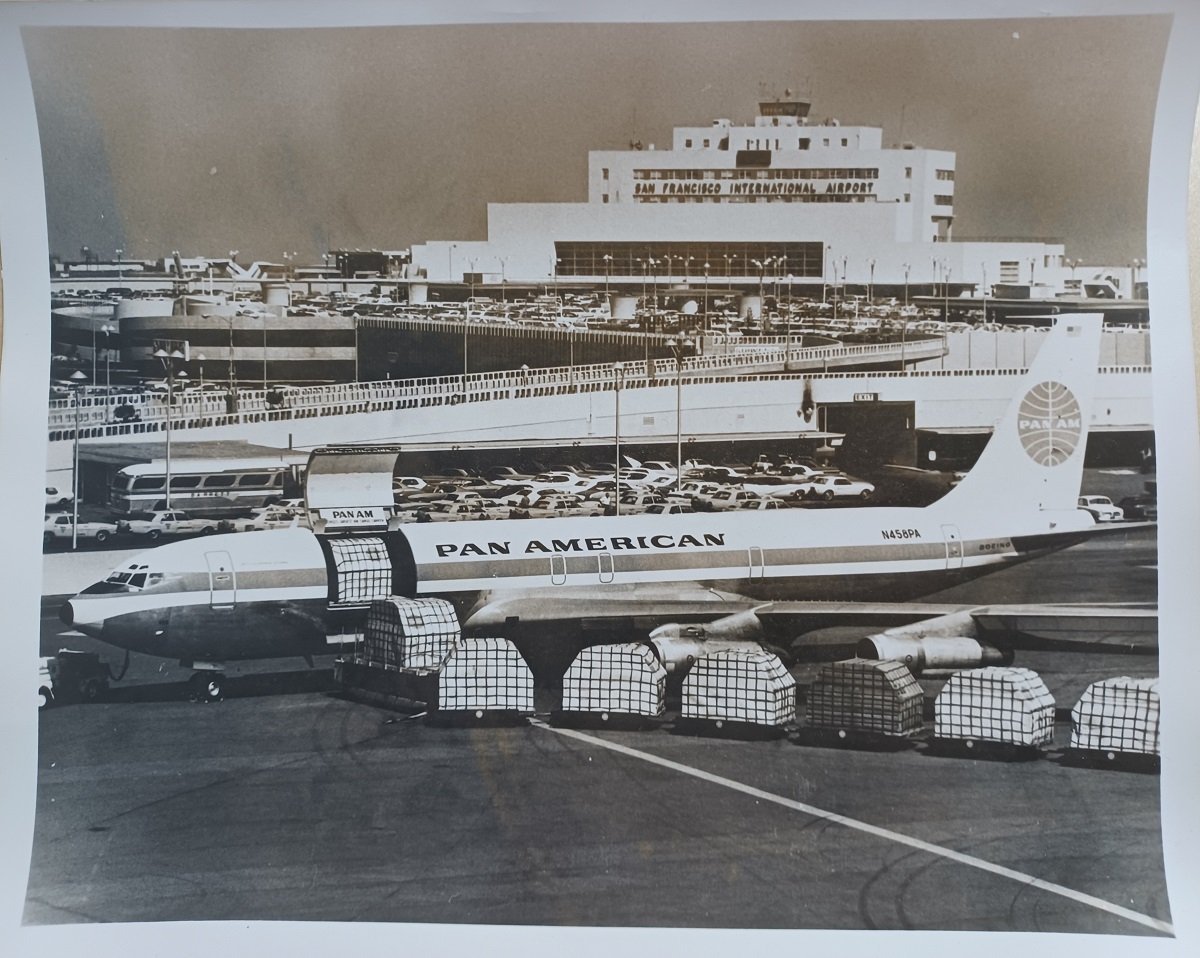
(263, 314)
(907, 267)
(983, 267)
(704, 320)
(619, 371)
(871, 282)
(77, 379)
(93, 349)
(168, 361)
(107, 330)
(787, 355)
(677, 347)
(200, 357)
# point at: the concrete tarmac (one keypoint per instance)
(289, 801)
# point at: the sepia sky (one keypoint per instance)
(266, 141)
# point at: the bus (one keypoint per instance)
(208, 487)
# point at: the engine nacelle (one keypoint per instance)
(678, 645)
(922, 654)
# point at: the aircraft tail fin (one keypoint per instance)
(1034, 459)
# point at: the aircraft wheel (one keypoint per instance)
(208, 687)
(92, 690)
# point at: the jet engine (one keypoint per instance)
(945, 643)
(678, 645)
(932, 653)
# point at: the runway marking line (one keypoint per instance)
(947, 853)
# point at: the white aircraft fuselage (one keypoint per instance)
(286, 592)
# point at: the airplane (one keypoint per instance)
(684, 582)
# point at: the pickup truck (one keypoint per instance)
(59, 527)
(155, 525)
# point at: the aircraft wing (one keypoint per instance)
(639, 610)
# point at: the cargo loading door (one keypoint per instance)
(222, 581)
(954, 547)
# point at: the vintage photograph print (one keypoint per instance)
(692, 475)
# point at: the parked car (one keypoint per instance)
(728, 497)
(1100, 508)
(761, 502)
(669, 509)
(839, 487)
(407, 485)
(60, 527)
(451, 512)
(1139, 507)
(58, 497)
(154, 525)
(266, 517)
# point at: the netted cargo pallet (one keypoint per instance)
(607, 682)
(364, 570)
(751, 688)
(1001, 705)
(865, 695)
(1117, 715)
(482, 676)
(410, 633)
(404, 689)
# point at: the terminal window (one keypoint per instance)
(695, 260)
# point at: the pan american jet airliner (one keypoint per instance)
(682, 581)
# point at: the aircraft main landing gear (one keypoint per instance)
(207, 685)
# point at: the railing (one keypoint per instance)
(191, 412)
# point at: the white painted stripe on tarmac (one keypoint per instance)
(947, 853)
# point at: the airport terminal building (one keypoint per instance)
(785, 201)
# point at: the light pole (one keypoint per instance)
(677, 347)
(466, 324)
(93, 349)
(983, 267)
(264, 325)
(907, 267)
(200, 357)
(168, 361)
(619, 371)
(607, 272)
(787, 356)
(77, 378)
(107, 330)
(704, 320)
(871, 282)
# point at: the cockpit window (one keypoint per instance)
(132, 579)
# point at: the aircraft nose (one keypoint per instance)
(75, 616)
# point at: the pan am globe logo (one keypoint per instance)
(1049, 423)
